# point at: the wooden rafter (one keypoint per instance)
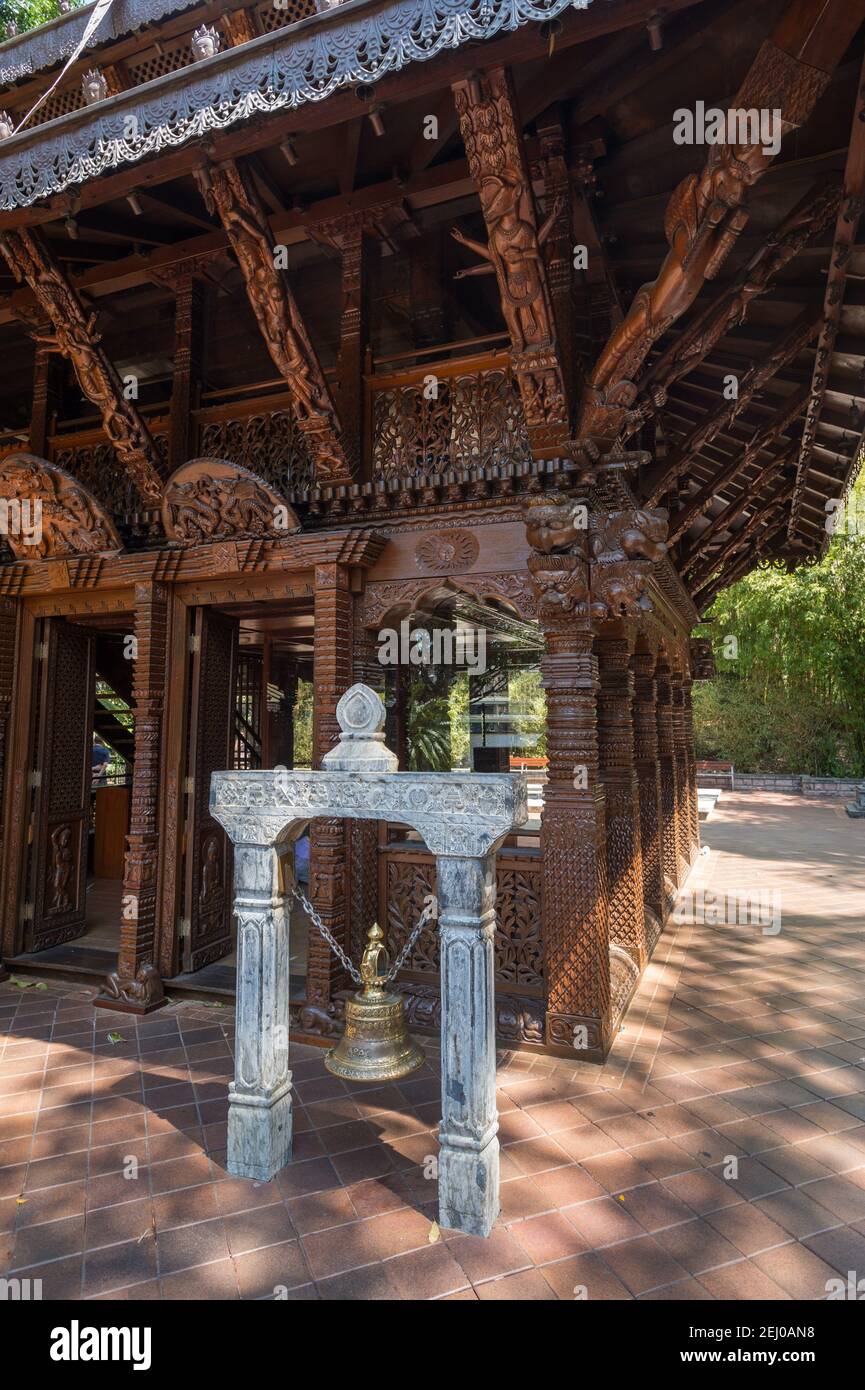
(229, 191)
(730, 514)
(846, 227)
(759, 517)
(73, 335)
(707, 212)
(663, 476)
(497, 163)
(763, 439)
(747, 561)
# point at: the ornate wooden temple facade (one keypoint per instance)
(320, 325)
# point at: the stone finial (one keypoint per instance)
(361, 748)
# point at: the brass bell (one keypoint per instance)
(375, 1045)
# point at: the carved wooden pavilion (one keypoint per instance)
(407, 310)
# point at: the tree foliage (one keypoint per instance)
(23, 15)
(790, 654)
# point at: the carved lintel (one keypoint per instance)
(73, 335)
(514, 249)
(228, 191)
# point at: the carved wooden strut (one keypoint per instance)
(74, 336)
(491, 135)
(229, 192)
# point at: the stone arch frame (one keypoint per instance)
(463, 818)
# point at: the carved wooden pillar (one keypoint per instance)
(47, 387)
(332, 675)
(8, 624)
(190, 305)
(559, 249)
(135, 986)
(681, 761)
(353, 339)
(667, 758)
(621, 798)
(648, 770)
(690, 770)
(576, 938)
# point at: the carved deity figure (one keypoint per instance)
(704, 217)
(211, 875)
(514, 251)
(60, 871)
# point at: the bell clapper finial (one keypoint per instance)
(376, 1045)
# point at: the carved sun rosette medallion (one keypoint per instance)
(446, 552)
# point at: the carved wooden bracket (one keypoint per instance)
(591, 565)
(491, 134)
(208, 499)
(73, 335)
(48, 513)
(228, 191)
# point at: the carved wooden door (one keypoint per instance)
(56, 908)
(208, 862)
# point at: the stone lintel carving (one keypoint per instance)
(497, 163)
(456, 813)
(73, 334)
(207, 499)
(48, 513)
(229, 192)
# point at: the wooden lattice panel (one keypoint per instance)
(272, 17)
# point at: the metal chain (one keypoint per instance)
(334, 945)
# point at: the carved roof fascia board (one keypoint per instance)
(356, 43)
(52, 43)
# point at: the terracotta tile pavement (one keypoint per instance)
(720, 1152)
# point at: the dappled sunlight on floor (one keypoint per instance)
(719, 1153)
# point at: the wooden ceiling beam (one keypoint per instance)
(730, 309)
(730, 514)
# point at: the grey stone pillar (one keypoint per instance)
(259, 1104)
(463, 818)
(469, 1156)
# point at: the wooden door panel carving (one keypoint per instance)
(64, 733)
(208, 864)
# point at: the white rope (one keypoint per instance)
(100, 10)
